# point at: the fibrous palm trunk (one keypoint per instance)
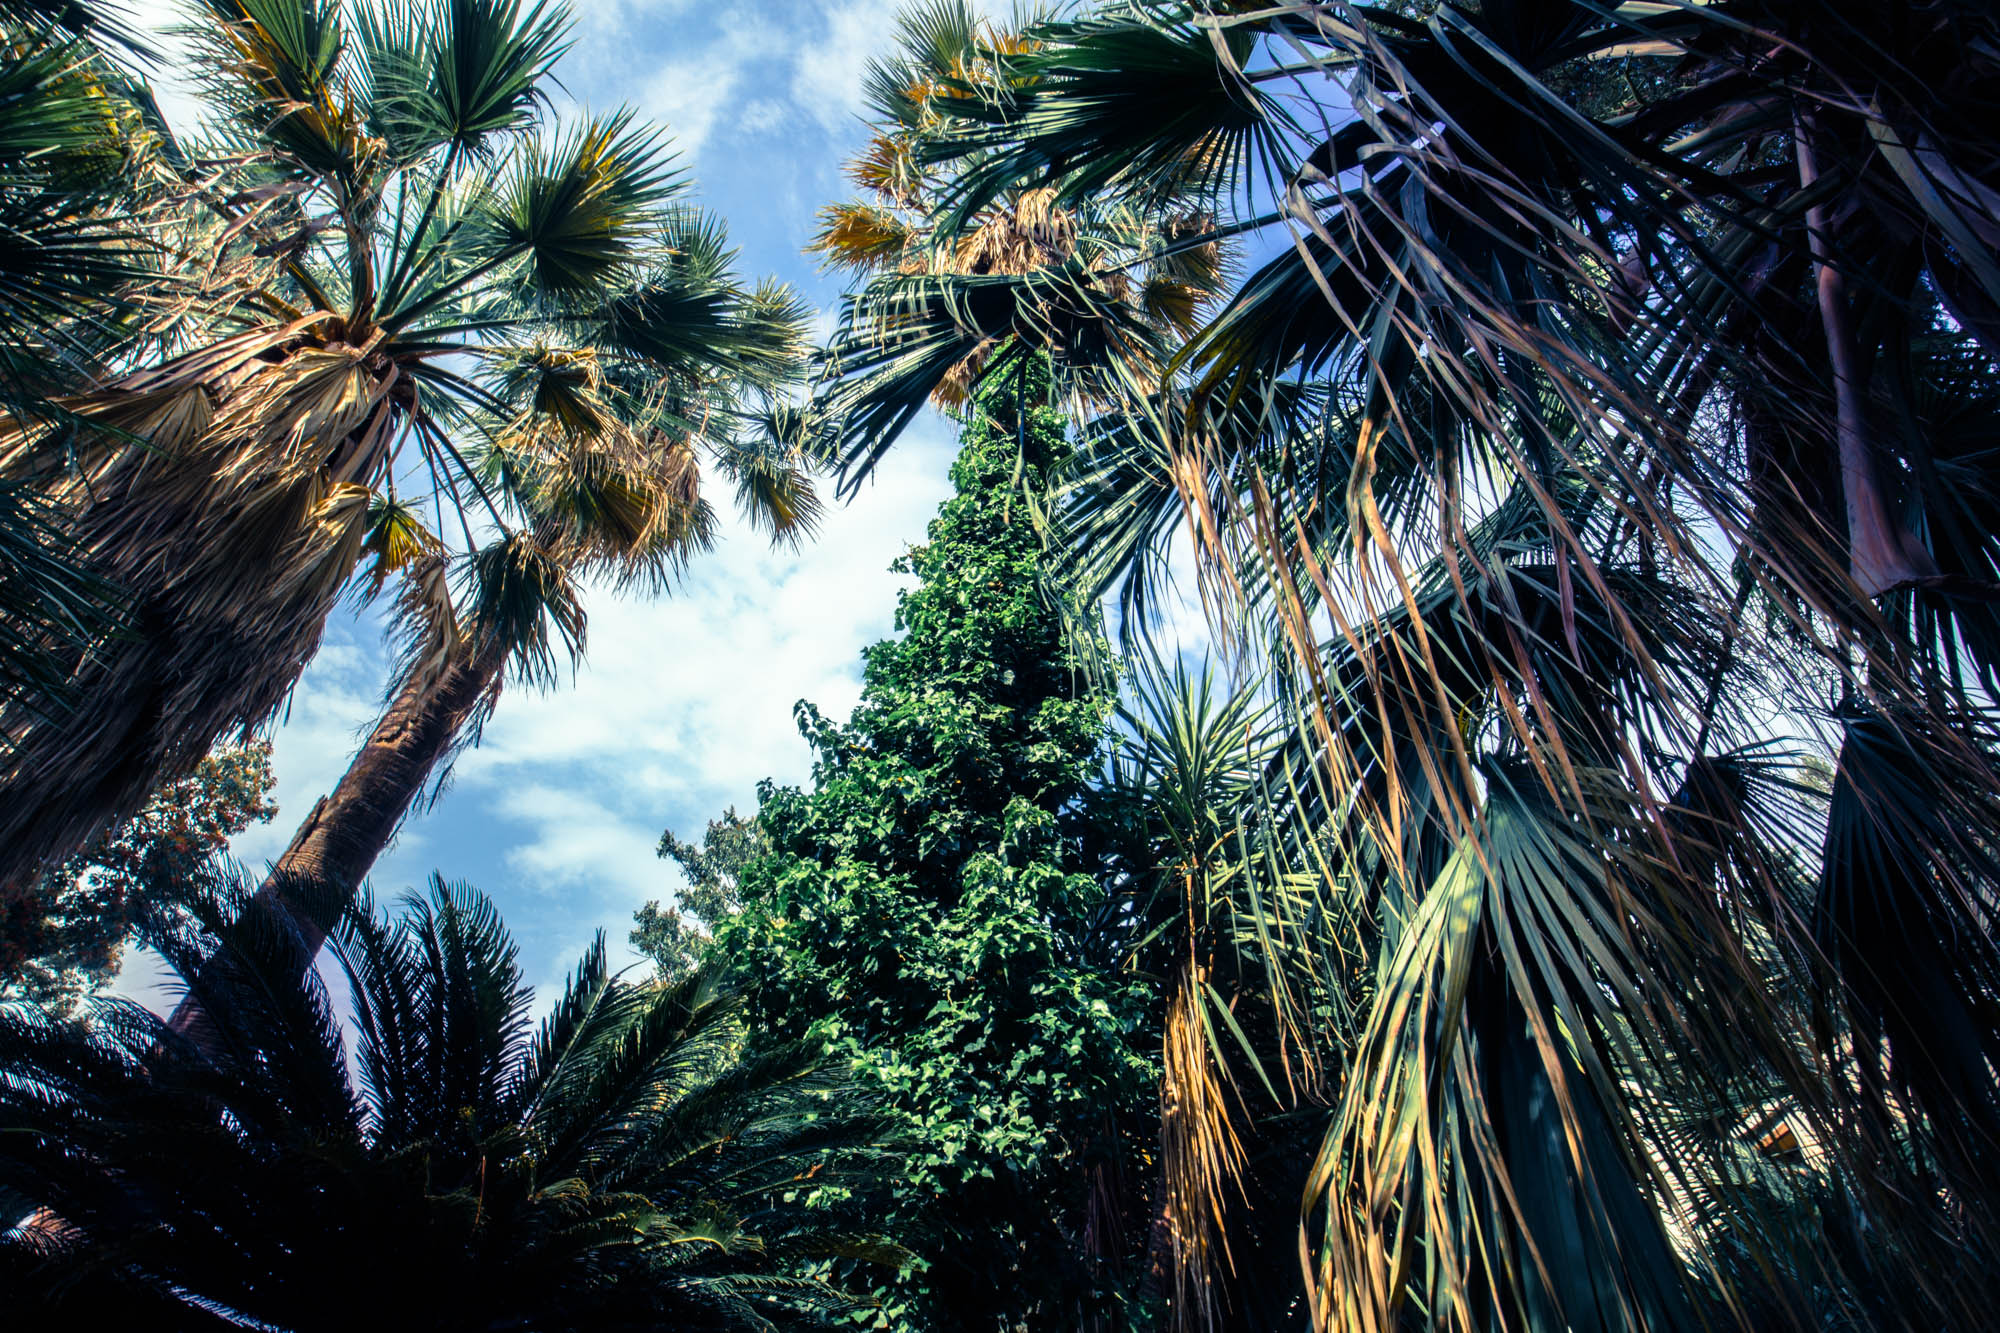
(217, 632)
(347, 830)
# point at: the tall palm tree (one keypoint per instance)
(1615, 390)
(624, 1165)
(602, 475)
(385, 221)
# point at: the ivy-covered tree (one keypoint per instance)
(65, 939)
(924, 910)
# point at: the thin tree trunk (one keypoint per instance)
(1880, 555)
(340, 840)
(1158, 1274)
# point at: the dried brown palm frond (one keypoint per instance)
(886, 167)
(954, 390)
(82, 170)
(1236, 1088)
(619, 499)
(1031, 232)
(204, 496)
(428, 616)
(862, 237)
(1202, 1157)
(1619, 385)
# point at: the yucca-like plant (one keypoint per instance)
(1196, 908)
(384, 227)
(1601, 450)
(624, 1164)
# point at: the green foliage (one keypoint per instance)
(624, 1165)
(924, 910)
(63, 941)
(676, 938)
(75, 169)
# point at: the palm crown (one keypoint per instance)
(950, 295)
(622, 1165)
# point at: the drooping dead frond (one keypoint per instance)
(861, 237)
(1032, 232)
(428, 614)
(1604, 403)
(1202, 1158)
(954, 390)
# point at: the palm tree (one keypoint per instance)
(385, 223)
(955, 295)
(1187, 762)
(1616, 388)
(77, 161)
(603, 476)
(625, 1165)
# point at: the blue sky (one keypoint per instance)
(684, 703)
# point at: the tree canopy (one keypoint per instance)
(1596, 453)
(66, 939)
(1554, 891)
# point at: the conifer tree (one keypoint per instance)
(924, 910)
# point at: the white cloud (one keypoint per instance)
(616, 20)
(686, 98)
(688, 94)
(827, 75)
(685, 704)
(766, 115)
(576, 838)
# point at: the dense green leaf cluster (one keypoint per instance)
(923, 909)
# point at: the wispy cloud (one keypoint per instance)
(685, 704)
(577, 839)
(690, 94)
(828, 73)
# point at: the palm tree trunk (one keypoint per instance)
(1881, 556)
(1158, 1272)
(340, 840)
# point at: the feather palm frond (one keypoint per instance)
(224, 1174)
